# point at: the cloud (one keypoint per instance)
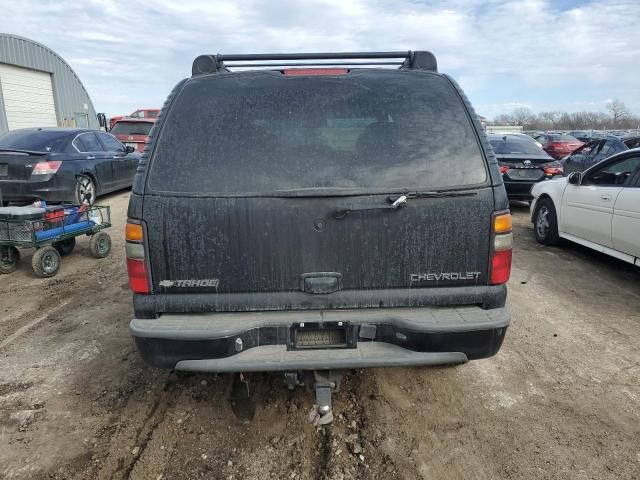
(129, 54)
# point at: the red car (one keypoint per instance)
(133, 132)
(558, 145)
(148, 113)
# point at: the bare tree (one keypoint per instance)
(571, 121)
(550, 119)
(618, 111)
(523, 117)
(504, 119)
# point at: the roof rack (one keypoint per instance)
(418, 60)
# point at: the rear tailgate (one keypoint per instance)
(269, 244)
(250, 171)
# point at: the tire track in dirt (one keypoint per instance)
(137, 422)
(32, 324)
(278, 443)
(155, 417)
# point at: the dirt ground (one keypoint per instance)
(561, 400)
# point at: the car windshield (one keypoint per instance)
(262, 132)
(515, 145)
(132, 128)
(34, 140)
(563, 138)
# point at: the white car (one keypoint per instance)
(598, 208)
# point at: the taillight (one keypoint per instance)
(501, 248)
(293, 72)
(136, 258)
(552, 170)
(46, 168)
(504, 169)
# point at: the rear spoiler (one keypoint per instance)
(418, 60)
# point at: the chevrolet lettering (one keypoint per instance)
(436, 277)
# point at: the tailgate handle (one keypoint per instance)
(321, 282)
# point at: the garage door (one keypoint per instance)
(28, 97)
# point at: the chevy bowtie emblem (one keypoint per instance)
(129, 137)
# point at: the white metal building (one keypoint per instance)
(39, 89)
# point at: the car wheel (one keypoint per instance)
(85, 190)
(545, 223)
(9, 258)
(65, 247)
(100, 244)
(46, 262)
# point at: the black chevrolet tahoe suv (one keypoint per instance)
(317, 218)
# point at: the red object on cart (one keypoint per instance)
(54, 214)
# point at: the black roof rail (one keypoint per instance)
(207, 64)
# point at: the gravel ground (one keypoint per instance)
(560, 400)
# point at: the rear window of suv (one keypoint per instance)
(262, 132)
(132, 128)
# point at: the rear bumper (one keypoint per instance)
(263, 341)
(519, 190)
(51, 190)
(522, 190)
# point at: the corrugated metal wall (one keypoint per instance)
(70, 96)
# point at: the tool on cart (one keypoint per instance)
(52, 231)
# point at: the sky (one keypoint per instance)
(564, 55)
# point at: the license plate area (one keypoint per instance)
(525, 174)
(321, 336)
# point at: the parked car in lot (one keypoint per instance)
(148, 113)
(133, 132)
(522, 163)
(63, 165)
(309, 220)
(558, 145)
(596, 151)
(598, 208)
(521, 134)
(532, 133)
(580, 135)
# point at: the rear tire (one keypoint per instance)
(545, 223)
(9, 258)
(46, 262)
(85, 190)
(100, 244)
(65, 247)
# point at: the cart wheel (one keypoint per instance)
(100, 244)
(9, 258)
(46, 262)
(65, 247)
